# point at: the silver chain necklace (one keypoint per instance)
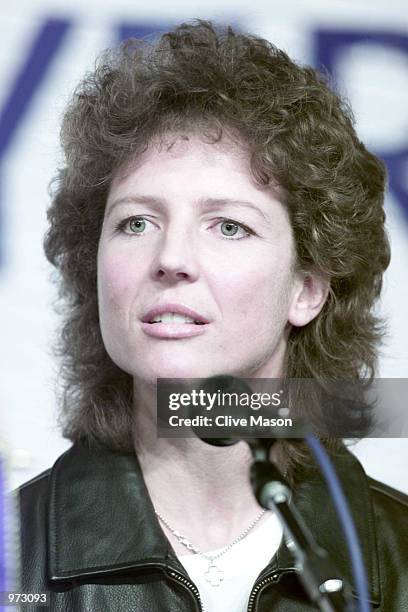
(214, 575)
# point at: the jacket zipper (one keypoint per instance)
(254, 593)
(274, 577)
(189, 586)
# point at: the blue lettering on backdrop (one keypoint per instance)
(27, 82)
(329, 44)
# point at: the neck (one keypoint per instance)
(202, 491)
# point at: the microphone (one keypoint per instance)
(316, 570)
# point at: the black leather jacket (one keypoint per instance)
(91, 538)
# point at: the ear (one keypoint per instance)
(309, 295)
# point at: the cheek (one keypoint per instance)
(255, 291)
(114, 288)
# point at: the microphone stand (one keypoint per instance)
(316, 571)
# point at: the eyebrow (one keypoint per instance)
(207, 203)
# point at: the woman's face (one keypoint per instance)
(187, 228)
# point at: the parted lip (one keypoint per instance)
(176, 308)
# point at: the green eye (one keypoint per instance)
(228, 228)
(137, 226)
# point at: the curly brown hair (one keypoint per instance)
(299, 132)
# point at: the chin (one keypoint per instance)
(178, 368)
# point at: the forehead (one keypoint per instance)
(204, 163)
(184, 145)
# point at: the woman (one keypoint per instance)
(216, 214)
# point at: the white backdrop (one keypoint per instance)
(45, 50)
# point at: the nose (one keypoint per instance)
(176, 258)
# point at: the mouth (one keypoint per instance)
(172, 318)
(173, 313)
(173, 321)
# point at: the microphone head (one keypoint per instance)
(223, 383)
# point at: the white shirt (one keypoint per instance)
(241, 565)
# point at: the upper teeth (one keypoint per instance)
(172, 317)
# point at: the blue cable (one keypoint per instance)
(357, 564)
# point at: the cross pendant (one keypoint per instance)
(214, 575)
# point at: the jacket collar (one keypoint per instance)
(101, 518)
